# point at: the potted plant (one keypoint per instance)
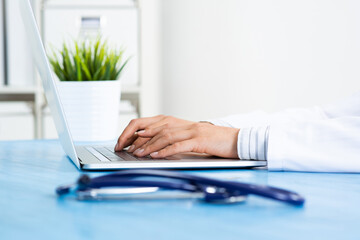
(89, 87)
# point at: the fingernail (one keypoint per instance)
(142, 131)
(138, 151)
(131, 148)
(116, 146)
(154, 154)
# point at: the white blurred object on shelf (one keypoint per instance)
(20, 70)
(16, 121)
(2, 45)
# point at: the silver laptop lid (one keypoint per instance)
(51, 92)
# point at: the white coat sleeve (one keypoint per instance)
(331, 145)
(323, 138)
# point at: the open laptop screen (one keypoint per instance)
(43, 67)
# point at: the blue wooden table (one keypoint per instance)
(29, 208)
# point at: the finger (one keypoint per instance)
(140, 141)
(179, 147)
(132, 127)
(129, 141)
(152, 130)
(162, 140)
(155, 128)
(170, 135)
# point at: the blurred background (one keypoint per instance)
(194, 59)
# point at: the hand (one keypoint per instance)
(130, 137)
(195, 137)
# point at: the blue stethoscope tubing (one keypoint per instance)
(192, 183)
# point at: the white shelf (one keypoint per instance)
(16, 94)
(33, 90)
(128, 89)
(90, 3)
(18, 90)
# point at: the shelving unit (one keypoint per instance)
(34, 95)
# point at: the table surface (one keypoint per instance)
(29, 208)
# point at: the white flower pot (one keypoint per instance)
(91, 108)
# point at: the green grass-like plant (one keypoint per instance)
(87, 60)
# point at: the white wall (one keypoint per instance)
(150, 50)
(208, 58)
(231, 56)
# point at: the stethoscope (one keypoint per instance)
(130, 182)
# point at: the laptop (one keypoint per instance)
(102, 157)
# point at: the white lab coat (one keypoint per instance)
(318, 139)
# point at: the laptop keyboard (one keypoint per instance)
(105, 154)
